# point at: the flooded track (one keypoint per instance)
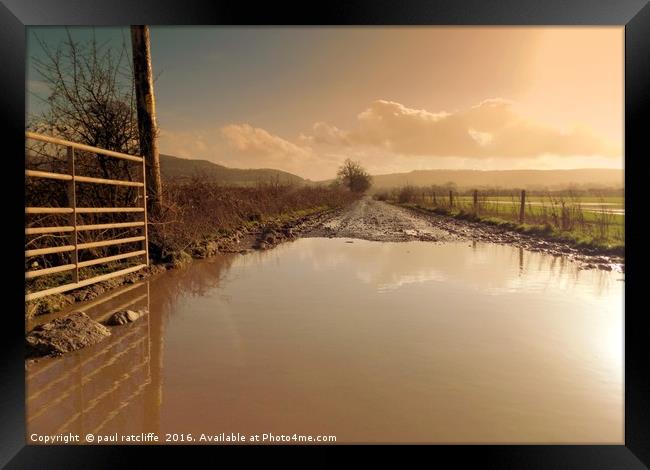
(369, 341)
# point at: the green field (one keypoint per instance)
(616, 200)
(601, 219)
(582, 220)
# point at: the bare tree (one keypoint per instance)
(352, 175)
(90, 101)
(91, 97)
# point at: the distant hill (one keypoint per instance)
(184, 168)
(527, 179)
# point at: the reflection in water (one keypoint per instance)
(98, 388)
(368, 341)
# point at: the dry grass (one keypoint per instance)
(201, 210)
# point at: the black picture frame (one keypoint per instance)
(633, 14)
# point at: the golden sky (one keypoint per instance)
(395, 98)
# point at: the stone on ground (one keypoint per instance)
(124, 316)
(70, 333)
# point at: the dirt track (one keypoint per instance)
(369, 219)
(374, 220)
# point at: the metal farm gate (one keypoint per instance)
(72, 229)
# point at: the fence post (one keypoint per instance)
(435, 203)
(451, 199)
(142, 192)
(72, 202)
(522, 207)
(476, 201)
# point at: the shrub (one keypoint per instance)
(199, 210)
(382, 196)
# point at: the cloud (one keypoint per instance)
(390, 137)
(489, 129)
(481, 138)
(323, 133)
(254, 147)
(254, 142)
(245, 146)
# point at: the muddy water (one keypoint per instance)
(367, 341)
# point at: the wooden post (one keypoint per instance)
(435, 203)
(522, 207)
(451, 199)
(147, 127)
(476, 201)
(72, 202)
(142, 199)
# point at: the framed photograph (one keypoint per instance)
(362, 223)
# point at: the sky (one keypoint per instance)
(395, 99)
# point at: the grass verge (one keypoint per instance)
(574, 239)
